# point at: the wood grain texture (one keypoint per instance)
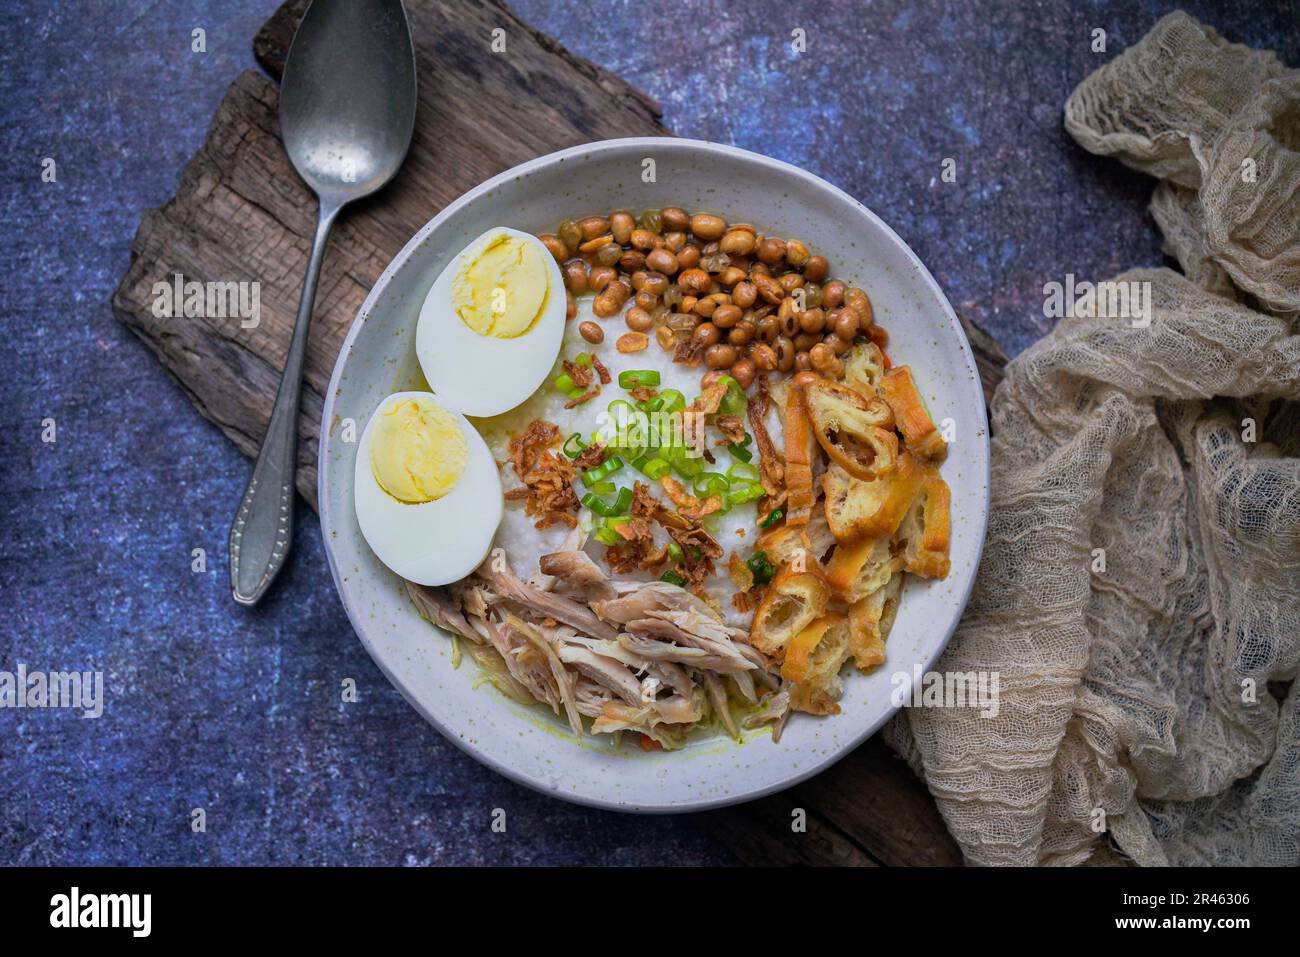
(242, 214)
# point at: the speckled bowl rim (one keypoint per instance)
(807, 181)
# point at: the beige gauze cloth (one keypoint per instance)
(1148, 705)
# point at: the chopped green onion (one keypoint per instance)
(710, 483)
(575, 392)
(762, 569)
(746, 492)
(673, 578)
(675, 552)
(564, 382)
(603, 488)
(574, 446)
(734, 402)
(652, 466)
(674, 401)
(598, 505)
(772, 518)
(583, 359)
(739, 451)
(602, 471)
(635, 378)
(607, 534)
(743, 472)
(684, 465)
(650, 406)
(617, 404)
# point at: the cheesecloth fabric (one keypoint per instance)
(1148, 710)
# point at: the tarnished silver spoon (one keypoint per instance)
(347, 110)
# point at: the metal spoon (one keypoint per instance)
(347, 110)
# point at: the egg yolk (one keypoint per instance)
(500, 289)
(417, 451)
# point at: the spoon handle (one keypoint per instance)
(262, 531)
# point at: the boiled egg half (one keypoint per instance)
(490, 328)
(428, 493)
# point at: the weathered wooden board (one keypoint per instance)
(242, 214)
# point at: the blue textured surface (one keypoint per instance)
(239, 712)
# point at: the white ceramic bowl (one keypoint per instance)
(529, 744)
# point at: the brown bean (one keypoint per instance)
(796, 253)
(592, 332)
(593, 226)
(727, 315)
(621, 225)
(806, 340)
(760, 269)
(705, 307)
(661, 260)
(771, 251)
(785, 353)
(742, 333)
(708, 334)
(651, 220)
(570, 305)
(600, 277)
(812, 320)
(768, 288)
(738, 243)
(646, 300)
(606, 303)
(720, 356)
(570, 233)
(694, 280)
(682, 322)
(675, 219)
(730, 276)
(632, 342)
(845, 322)
(764, 356)
(708, 227)
(743, 371)
(556, 247)
(689, 257)
(821, 357)
(638, 319)
(802, 362)
(592, 246)
(744, 294)
(643, 240)
(575, 277)
(816, 268)
(838, 346)
(790, 281)
(768, 329)
(666, 338)
(857, 300)
(688, 303)
(622, 288)
(833, 294)
(788, 321)
(656, 282)
(632, 260)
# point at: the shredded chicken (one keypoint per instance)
(647, 657)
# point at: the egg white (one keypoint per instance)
(483, 375)
(438, 542)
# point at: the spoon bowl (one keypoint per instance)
(347, 100)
